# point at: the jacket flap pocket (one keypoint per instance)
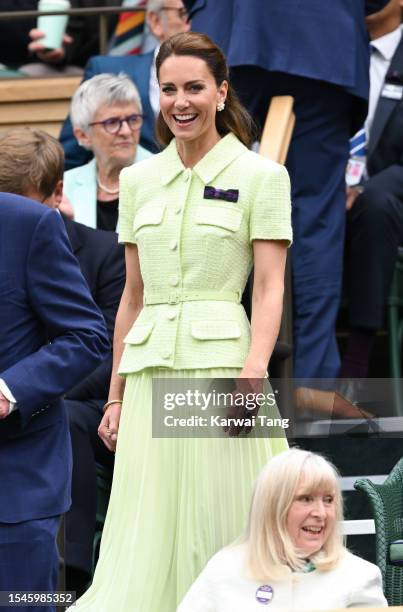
(148, 215)
(139, 333)
(215, 330)
(221, 216)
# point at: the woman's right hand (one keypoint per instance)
(108, 427)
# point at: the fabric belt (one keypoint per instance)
(175, 297)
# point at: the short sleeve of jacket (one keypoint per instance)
(270, 217)
(126, 206)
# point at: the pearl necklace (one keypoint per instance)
(108, 191)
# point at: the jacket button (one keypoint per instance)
(174, 281)
(171, 315)
(166, 355)
(187, 174)
(178, 210)
(173, 245)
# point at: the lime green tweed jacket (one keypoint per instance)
(194, 230)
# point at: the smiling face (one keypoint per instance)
(188, 98)
(311, 518)
(111, 149)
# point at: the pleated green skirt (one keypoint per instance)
(174, 503)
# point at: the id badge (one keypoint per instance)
(355, 171)
(393, 92)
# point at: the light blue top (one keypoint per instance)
(80, 186)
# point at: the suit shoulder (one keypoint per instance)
(22, 208)
(141, 169)
(258, 163)
(116, 64)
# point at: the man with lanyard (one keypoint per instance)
(375, 191)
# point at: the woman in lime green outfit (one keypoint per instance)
(194, 219)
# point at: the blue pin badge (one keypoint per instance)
(264, 594)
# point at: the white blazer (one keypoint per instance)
(223, 587)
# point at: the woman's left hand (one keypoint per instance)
(109, 426)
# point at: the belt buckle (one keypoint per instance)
(174, 298)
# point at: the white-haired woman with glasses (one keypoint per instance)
(106, 114)
(293, 556)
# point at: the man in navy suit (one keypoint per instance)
(51, 334)
(164, 18)
(375, 200)
(101, 261)
(316, 52)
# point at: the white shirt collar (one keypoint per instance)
(154, 90)
(386, 45)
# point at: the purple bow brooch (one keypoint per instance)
(229, 195)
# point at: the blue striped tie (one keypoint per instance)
(358, 144)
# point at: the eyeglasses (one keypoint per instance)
(113, 125)
(183, 13)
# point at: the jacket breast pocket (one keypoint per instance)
(222, 219)
(148, 217)
(220, 234)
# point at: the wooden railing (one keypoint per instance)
(278, 128)
(36, 102)
(44, 102)
(102, 12)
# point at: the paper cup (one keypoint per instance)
(53, 26)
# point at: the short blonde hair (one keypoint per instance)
(270, 551)
(30, 160)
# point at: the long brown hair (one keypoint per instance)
(234, 118)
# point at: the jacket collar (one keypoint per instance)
(87, 173)
(71, 229)
(219, 157)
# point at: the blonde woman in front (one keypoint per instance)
(293, 556)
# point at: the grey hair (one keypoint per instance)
(155, 6)
(101, 90)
